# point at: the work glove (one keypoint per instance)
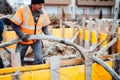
(25, 38)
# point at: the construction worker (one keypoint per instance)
(1, 38)
(3, 21)
(31, 20)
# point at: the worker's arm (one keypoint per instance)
(45, 31)
(20, 33)
(1, 29)
(17, 30)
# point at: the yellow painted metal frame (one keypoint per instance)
(102, 37)
(66, 73)
(57, 32)
(94, 37)
(86, 35)
(118, 42)
(68, 32)
(80, 33)
(8, 36)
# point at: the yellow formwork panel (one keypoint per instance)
(102, 37)
(66, 73)
(80, 33)
(118, 30)
(57, 32)
(118, 45)
(23, 68)
(118, 42)
(94, 37)
(8, 36)
(6, 77)
(86, 35)
(68, 32)
(99, 73)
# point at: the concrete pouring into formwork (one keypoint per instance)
(50, 49)
(89, 42)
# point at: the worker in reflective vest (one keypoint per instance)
(31, 20)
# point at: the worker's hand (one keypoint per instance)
(25, 38)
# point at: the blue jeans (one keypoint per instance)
(1, 63)
(37, 50)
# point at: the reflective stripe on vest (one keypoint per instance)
(28, 27)
(26, 16)
(32, 27)
(26, 20)
(17, 20)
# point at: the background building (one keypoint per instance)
(70, 9)
(80, 8)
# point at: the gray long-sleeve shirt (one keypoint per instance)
(21, 34)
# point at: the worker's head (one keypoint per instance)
(37, 4)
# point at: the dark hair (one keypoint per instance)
(37, 1)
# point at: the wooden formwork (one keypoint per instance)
(85, 56)
(86, 36)
(64, 71)
(89, 36)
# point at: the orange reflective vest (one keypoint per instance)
(24, 18)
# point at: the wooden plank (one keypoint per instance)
(105, 57)
(71, 62)
(63, 63)
(54, 68)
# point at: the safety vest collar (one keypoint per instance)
(26, 8)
